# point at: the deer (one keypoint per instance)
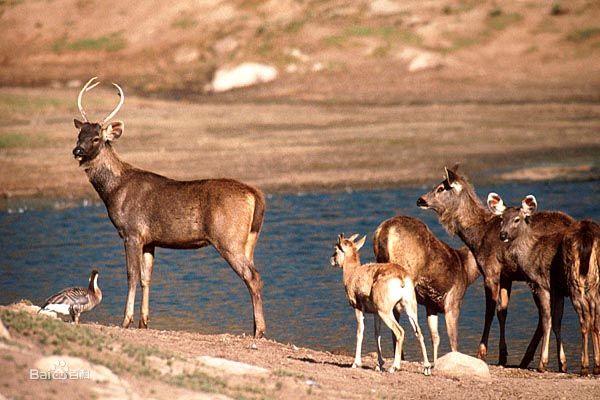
(580, 261)
(378, 289)
(536, 253)
(150, 210)
(462, 213)
(563, 263)
(441, 273)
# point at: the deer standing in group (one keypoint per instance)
(461, 212)
(558, 263)
(441, 274)
(378, 289)
(149, 210)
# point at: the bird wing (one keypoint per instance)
(70, 296)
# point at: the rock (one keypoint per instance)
(4, 334)
(232, 367)
(225, 45)
(419, 60)
(385, 7)
(245, 74)
(462, 365)
(186, 55)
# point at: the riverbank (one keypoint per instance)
(175, 364)
(298, 147)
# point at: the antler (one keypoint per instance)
(116, 110)
(86, 88)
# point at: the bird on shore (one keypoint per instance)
(75, 300)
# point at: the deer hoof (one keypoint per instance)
(482, 353)
(126, 322)
(143, 324)
(427, 370)
(596, 370)
(542, 368)
(503, 358)
(563, 367)
(259, 334)
(584, 371)
(393, 369)
(355, 365)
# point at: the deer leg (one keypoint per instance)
(535, 339)
(490, 306)
(133, 254)
(558, 305)
(501, 312)
(388, 319)
(595, 331)
(582, 312)
(360, 328)
(397, 311)
(432, 322)
(377, 326)
(145, 281)
(245, 269)
(411, 312)
(544, 298)
(452, 327)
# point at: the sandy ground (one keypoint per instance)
(168, 364)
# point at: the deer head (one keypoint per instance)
(93, 135)
(514, 219)
(346, 248)
(443, 194)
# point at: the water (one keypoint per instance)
(45, 249)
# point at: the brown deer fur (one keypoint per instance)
(441, 273)
(580, 252)
(461, 212)
(149, 210)
(536, 253)
(378, 289)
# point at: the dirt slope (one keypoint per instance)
(337, 50)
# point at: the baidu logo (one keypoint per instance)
(59, 371)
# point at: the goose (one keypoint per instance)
(75, 300)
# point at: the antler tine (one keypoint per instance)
(85, 88)
(116, 110)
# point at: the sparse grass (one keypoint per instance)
(17, 140)
(581, 35)
(498, 20)
(18, 103)
(111, 42)
(184, 23)
(294, 26)
(334, 41)
(388, 34)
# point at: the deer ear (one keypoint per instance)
(353, 237)
(78, 124)
(529, 205)
(113, 131)
(495, 203)
(360, 243)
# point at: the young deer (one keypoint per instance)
(378, 289)
(149, 210)
(461, 212)
(580, 251)
(441, 274)
(560, 263)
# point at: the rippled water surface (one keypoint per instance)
(45, 249)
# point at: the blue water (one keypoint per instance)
(45, 248)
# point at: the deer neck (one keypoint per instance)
(520, 247)
(469, 264)
(469, 221)
(105, 171)
(351, 264)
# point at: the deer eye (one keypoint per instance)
(96, 139)
(440, 189)
(517, 219)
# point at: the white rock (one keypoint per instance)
(4, 334)
(186, 55)
(232, 367)
(458, 364)
(385, 7)
(245, 74)
(419, 60)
